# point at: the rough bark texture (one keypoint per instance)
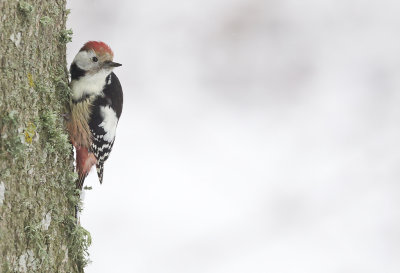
(38, 232)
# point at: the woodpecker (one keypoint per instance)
(96, 106)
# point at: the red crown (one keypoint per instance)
(98, 47)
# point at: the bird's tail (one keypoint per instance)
(100, 168)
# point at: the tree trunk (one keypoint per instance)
(38, 231)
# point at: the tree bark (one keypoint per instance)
(38, 231)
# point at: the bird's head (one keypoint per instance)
(94, 57)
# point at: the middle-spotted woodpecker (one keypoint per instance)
(96, 106)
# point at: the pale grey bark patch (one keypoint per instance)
(16, 38)
(27, 262)
(2, 191)
(46, 221)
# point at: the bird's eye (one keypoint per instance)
(94, 59)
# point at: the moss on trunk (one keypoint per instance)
(38, 232)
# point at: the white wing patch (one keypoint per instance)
(109, 123)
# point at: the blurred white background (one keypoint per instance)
(256, 136)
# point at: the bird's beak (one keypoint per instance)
(108, 64)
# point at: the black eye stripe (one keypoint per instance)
(94, 59)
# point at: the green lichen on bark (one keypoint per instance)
(66, 36)
(38, 231)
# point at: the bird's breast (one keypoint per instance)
(88, 85)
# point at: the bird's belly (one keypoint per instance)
(78, 126)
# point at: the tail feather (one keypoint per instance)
(100, 168)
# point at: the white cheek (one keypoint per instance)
(84, 60)
(109, 123)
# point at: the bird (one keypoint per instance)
(95, 107)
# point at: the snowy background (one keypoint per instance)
(257, 136)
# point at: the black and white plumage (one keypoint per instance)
(96, 107)
(106, 112)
